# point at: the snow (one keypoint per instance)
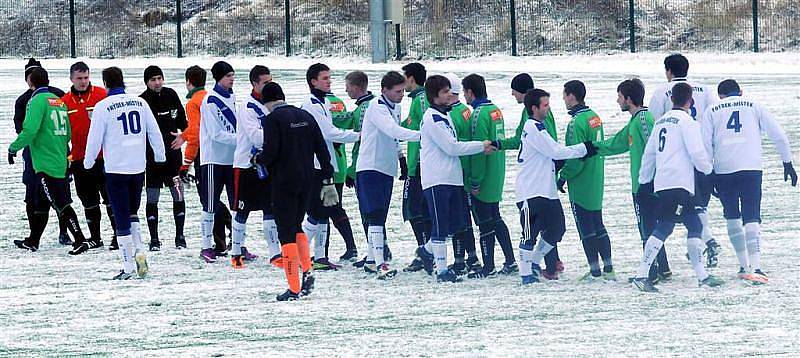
(55, 305)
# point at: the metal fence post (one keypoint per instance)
(632, 25)
(72, 51)
(755, 25)
(288, 26)
(179, 17)
(398, 52)
(513, 11)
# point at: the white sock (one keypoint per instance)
(651, 249)
(126, 251)
(376, 240)
(525, 262)
(237, 237)
(693, 246)
(541, 249)
(207, 230)
(319, 243)
(136, 233)
(440, 256)
(706, 233)
(428, 246)
(736, 235)
(370, 256)
(311, 231)
(752, 233)
(271, 235)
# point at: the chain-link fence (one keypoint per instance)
(431, 28)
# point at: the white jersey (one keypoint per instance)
(732, 135)
(249, 134)
(661, 103)
(536, 176)
(122, 124)
(218, 127)
(321, 111)
(673, 151)
(440, 149)
(380, 132)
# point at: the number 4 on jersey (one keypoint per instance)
(733, 122)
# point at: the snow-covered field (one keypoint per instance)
(55, 305)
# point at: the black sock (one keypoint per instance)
(661, 258)
(504, 239)
(458, 246)
(589, 243)
(469, 242)
(343, 226)
(110, 213)
(93, 216)
(418, 226)
(550, 260)
(30, 213)
(487, 251)
(604, 249)
(151, 213)
(179, 213)
(38, 224)
(68, 216)
(62, 225)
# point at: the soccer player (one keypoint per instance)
(217, 146)
(341, 119)
(442, 176)
(122, 125)
(171, 118)
(586, 182)
(195, 84)
(252, 188)
(316, 224)
(672, 154)
(487, 176)
(520, 85)
(415, 209)
(292, 139)
(90, 184)
(676, 69)
(463, 240)
(535, 187)
(46, 132)
(377, 166)
(34, 196)
(632, 139)
(732, 134)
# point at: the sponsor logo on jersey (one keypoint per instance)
(55, 102)
(595, 122)
(465, 114)
(337, 106)
(496, 115)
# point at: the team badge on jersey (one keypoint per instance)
(595, 122)
(55, 102)
(496, 115)
(337, 106)
(466, 114)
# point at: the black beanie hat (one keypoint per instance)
(32, 63)
(220, 69)
(152, 71)
(272, 92)
(522, 83)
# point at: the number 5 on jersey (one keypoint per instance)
(131, 123)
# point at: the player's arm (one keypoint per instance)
(180, 118)
(648, 169)
(775, 133)
(477, 163)
(694, 145)
(272, 141)
(321, 149)
(617, 144)
(215, 123)
(442, 137)
(192, 132)
(333, 134)
(516, 140)
(707, 131)
(94, 142)
(657, 104)
(382, 119)
(34, 115)
(543, 143)
(249, 126)
(154, 135)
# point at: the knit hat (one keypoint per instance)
(272, 92)
(455, 82)
(522, 83)
(32, 63)
(220, 69)
(152, 71)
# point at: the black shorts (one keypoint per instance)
(414, 205)
(158, 175)
(541, 216)
(289, 206)
(250, 193)
(90, 185)
(56, 190)
(702, 191)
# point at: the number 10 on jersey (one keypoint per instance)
(131, 122)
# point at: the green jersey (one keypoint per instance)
(356, 120)
(515, 141)
(341, 119)
(585, 178)
(487, 173)
(46, 131)
(633, 138)
(419, 104)
(460, 114)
